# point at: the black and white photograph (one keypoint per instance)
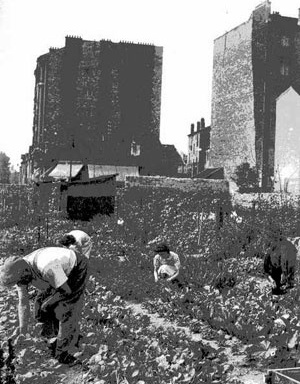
(149, 192)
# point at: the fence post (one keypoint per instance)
(39, 229)
(47, 227)
(200, 222)
(219, 216)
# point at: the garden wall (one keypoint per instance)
(183, 184)
(248, 199)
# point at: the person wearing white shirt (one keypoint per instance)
(166, 263)
(60, 276)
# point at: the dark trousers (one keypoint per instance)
(62, 320)
(276, 276)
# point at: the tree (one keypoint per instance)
(246, 178)
(4, 168)
(14, 176)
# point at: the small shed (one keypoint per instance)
(83, 194)
(85, 199)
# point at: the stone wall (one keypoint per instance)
(182, 184)
(232, 121)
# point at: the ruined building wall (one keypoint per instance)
(287, 142)
(275, 69)
(93, 99)
(47, 124)
(232, 120)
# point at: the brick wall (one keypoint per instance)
(54, 132)
(99, 97)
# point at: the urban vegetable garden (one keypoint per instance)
(222, 322)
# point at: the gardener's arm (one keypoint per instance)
(272, 281)
(173, 276)
(23, 308)
(177, 267)
(156, 266)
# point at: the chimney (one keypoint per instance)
(262, 12)
(192, 129)
(198, 126)
(202, 123)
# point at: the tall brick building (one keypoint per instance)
(97, 102)
(255, 64)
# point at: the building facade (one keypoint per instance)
(198, 148)
(287, 142)
(96, 102)
(254, 65)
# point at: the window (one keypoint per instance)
(135, 149)
(284, 69)
(89, 93)
(285, 41)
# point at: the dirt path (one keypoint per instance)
(241, 371)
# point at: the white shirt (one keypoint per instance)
(51, 266)
(171, 260)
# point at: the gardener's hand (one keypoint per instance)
(51, 301)
(45, 306)
(272, 282)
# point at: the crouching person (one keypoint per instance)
(280, 262)
(78, 241)
(166, 264)
(60, 275)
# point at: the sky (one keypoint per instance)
(185, 29)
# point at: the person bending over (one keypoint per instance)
(60, 276)
(280, 262)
